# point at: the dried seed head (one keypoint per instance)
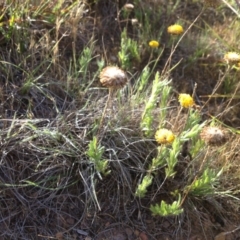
(134, 21)
(213, 136)
(128, 7)
(113, 77)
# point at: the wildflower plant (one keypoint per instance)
(95, 154)
(158, 87)
(84, 60)
(164, 209)
(205, 184)
(193, 119)
(163, 104)
(172, 158)
(142, 187)
(79, 68)
(168, 152)
(160, 159)
(143, 80)
(129, 51)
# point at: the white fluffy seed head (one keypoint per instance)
(213, 136)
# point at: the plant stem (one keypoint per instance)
(110, 95)
(180, 39)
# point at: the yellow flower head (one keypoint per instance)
(232, 57)
(164, 136)
(186, 100)
(175, 29)
(153, 44)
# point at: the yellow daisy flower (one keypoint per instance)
(186, 100)
(153, 44)
(175, 29)
(232, 57)
(164, 136)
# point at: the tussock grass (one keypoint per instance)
(51, 108)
